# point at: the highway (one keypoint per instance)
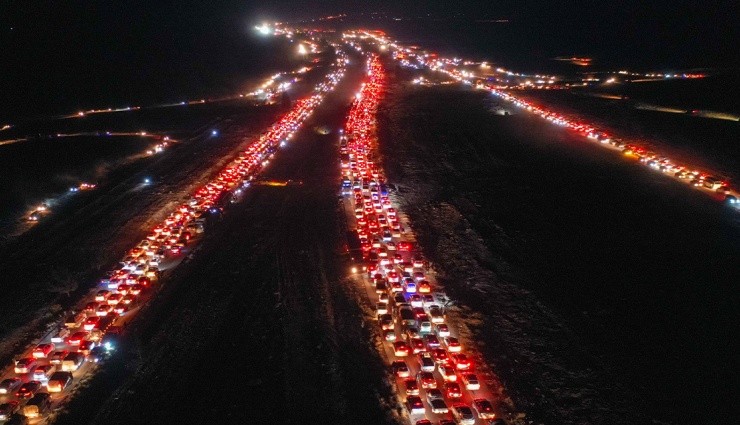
(705, 181)
(439, 375)
(266, 91)
(90, 330)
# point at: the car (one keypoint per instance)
(57, 357)
(415, 406)
(463, 414)
(102, 295)
(381, 308)
(452, 390)
(98, 354)
(60, 336)
(441, 330)
(76, 338)
(417, 345)
(90, 308)
(434, 394)
(453, 345)
(436, 314)
(389, 335)
(103, 310)
(412, 332)
(42, 373)
(386, 321)
(426, 380)
(440, 356)
(425, 326)
(471, 382)
(410, 287)
(431, 341)
(91, 323)
(25, 365)
(400, 369)
(483, 408)
(8, 409)
(439, 407)
(461, 361)
(426, 362)
(7, 386)
(42, 350)
(28, 389)
(411, 387)
(381, 287)
(423, 422)
(114, 299)
(401, 349)
(86, 347)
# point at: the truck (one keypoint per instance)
(37, 405)
(59, 381)
(72, 362)
(75, 320)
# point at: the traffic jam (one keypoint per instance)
(44, 375)
(437, 377)
(694, 177)
(267, 92)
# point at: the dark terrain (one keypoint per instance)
(88, 233)
(606, 291)
(703, 142)
(258, 326)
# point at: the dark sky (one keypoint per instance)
(54, 52)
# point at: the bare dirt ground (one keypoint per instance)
(257, 327)
(598, 291)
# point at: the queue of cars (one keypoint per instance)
(696, 178)
(90, 332)
(436, 375)
(268, 90)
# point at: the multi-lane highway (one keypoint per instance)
(47, 372)
(267, 91)
(706, 181)
(438, 376)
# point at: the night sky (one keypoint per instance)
(58, 55)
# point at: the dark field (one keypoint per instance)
(703, 142)
(88, 233)
(43, 167)
(606, 291)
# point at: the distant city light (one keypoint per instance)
(263, 29)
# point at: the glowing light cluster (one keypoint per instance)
(409, 300)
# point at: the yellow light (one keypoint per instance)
(354, 269)
(302, 49)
